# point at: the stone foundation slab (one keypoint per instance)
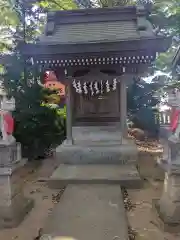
(108, 154)
(126, 176)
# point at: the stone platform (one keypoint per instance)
(97, 145)
(87, 212)
(126, 176)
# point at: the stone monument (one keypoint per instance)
(168, 207)
(13, 204)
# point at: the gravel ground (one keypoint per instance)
(141, 217)
(44, 198)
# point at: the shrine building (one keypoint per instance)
(97, 53)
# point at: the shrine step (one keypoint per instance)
(126, 176)
(88, 212)
(97, 153)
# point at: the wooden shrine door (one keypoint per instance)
(97, 108)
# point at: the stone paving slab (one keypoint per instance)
(126, 175)
(89, 212)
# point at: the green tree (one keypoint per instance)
(38, 127)
(166, 18)
(141, 104)
(111, 3)
(51, 4)
(22, 20)
(8, 22)
(17, 24)
(114, 3)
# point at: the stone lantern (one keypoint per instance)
(168, 207)
(13, 204)
(173, 97)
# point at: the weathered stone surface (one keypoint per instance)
(174, 150)
(13, 204)
(160, 220)
(126, 176)
(9, 154)
(86, 134)
(148, 166)
(97, 145)
(89, 212)
(12, 215)
(168, 207)
(117, 154)
(9, 187)
(13, 209)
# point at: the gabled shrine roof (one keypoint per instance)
(118, 37)
(96, 25)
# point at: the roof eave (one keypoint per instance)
(133, 45)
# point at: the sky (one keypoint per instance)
(157, 73)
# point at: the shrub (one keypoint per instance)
(38, 127)
(145, 119)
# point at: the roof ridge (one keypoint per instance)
(93, 10)
(94, 14)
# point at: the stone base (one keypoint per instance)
(96, 145)
(11, 216)
(10, 154)
(13, 204)
(165, 223)
(168, 207)
(148, 166)
(97, 154)
(126, 176)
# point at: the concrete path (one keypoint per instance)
(89, 212)
(124, 175)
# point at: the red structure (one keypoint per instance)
(51, 82)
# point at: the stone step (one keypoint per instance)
(97, 154)
(97, 143)
(88, 212)
(103, 142)
(126, 176)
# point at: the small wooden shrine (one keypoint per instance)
(97, 52)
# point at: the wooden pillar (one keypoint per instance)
(123, 106)
(69, 138)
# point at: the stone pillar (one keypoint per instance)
(123, 106)
(168, 207)
(13, 204)
(69, 138)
